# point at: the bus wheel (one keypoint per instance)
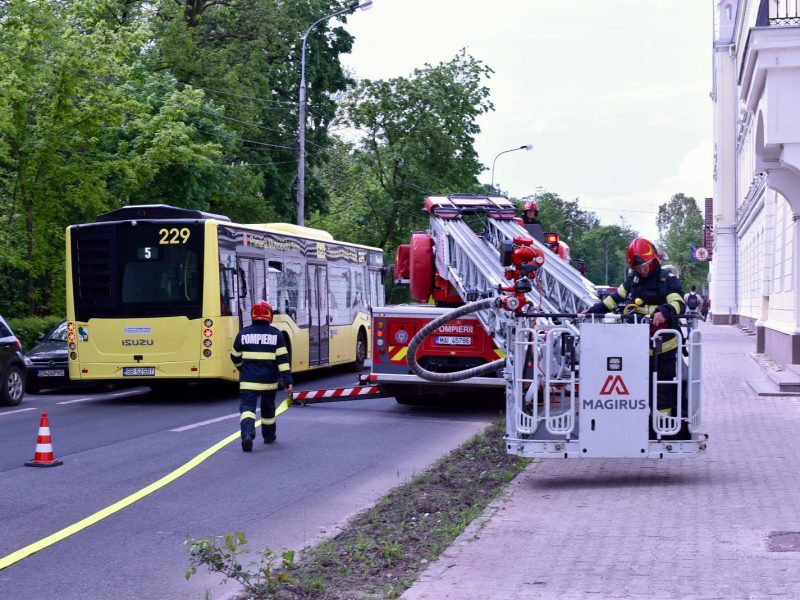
(361, 351)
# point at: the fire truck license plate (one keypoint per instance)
(453, 340)
(138, 371)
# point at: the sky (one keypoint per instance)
(612, 94)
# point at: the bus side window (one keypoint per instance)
(242, 283)
(225, 289)
(275, 285)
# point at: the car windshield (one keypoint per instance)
(59, 334)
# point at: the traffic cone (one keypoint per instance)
(44, 447)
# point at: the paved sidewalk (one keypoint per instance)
(647, 529)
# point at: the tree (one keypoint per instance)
(416, 138)
(680, 226)
(84, 128)
(245, 54)
(604, 250)
(602, 247)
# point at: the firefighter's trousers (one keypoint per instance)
(247, 408)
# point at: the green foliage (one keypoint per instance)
(86, 128)
(416, 138)
(602, 247)
(384, 548)
(105, 103)
(246, 55)
(680, 225)
(222, 554)
(27, 329)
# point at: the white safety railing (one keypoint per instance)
(536, 351)
(664, 424)
(694, 382)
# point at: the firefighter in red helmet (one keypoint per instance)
(530, 220)
(530, 211)
(654, 291)
(259, 352)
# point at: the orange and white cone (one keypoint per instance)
(44, 447)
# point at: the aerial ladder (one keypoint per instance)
(576, 385)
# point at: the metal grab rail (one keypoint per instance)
(537, 346)
(694, 381)
(668, 424)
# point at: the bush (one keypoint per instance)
(27, 329)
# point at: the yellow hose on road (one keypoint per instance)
(56, 537)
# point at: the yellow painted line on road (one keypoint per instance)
(58, 536)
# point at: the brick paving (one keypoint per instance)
(648, 529)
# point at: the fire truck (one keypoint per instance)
(512, 316)
(458, 345)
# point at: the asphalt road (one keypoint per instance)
(331, 460)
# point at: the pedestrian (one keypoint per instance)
(259, 352)
(693, 301)
(706, 307)
(656, 292)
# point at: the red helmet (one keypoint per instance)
(530, 205)
(642, 257)
(261, 311)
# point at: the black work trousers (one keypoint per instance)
(247, 408)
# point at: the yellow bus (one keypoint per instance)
(157, 293)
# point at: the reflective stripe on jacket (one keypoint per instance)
(259, 352)
(661, 292)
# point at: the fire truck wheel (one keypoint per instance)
(421, 267)
(361, 351)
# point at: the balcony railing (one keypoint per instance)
(777, 13)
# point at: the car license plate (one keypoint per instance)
(453, 340)
(51, 373)
(138, 371)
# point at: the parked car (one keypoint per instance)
(12, 367)
(47, 361)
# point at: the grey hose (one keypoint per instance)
(411, 357)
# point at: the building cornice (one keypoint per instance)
(746, 211)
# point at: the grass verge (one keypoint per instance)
(383, 549)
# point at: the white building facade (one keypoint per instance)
(756, 96)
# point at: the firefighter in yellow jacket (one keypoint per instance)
(654, 291)
(259, 352)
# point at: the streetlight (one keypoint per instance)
(301, 128)
(526, 147)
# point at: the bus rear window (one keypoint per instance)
(144, 268)
(170, 276)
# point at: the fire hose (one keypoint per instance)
(417, 340)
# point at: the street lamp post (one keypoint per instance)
(526, 147)
(301, 128)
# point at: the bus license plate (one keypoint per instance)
(51, 373)
(138, 371)
(452, 340)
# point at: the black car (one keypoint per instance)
(47, 361)
(12, 367)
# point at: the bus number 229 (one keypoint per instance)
(174, 235)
